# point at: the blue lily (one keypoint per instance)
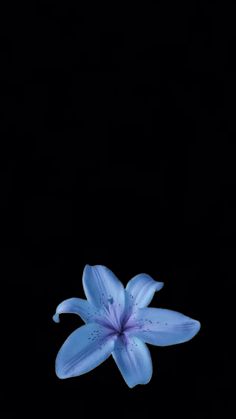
(118, 323)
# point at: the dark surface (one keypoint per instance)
(117, 131)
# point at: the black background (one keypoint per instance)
(117, 132)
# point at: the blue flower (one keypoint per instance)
(118, 323)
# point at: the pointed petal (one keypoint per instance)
(141, 289)
(86, 348)
(164, 327)
(133, 360)
(101, 286)
(77, 306)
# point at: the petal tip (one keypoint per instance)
(159, 285)
(59, 370)
(132, 385)
(60, 374)
(87, 269)
(61, 377)
(197, 326)
(56, 318)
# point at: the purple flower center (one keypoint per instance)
(117, 320)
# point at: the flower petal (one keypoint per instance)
(141, 289)
(86, 348)
(102, 287)
(77, 306)
(133, 360)
(164, 327)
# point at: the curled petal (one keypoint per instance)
(141, 289)
(102, 287)
(86, 348)
(133, 360)
(164, 327)
(77, 306)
